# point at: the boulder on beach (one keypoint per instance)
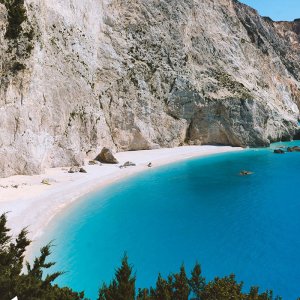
(293, 149)
(74, 169)
(46, 181)
(129, 164)
(278, 151)
(106, 156)
(94, 162)
(82, 170)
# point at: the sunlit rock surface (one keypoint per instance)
(142, 74)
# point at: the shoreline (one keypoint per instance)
(33, 205)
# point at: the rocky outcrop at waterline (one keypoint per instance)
(293, 149)
(80, 75)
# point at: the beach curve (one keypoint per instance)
(33, 204)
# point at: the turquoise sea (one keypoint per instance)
(196, 210)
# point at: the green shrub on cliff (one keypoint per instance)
(16, 15)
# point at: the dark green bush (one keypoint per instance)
(16, 16)
(32, 285)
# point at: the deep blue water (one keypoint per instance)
(196, 210)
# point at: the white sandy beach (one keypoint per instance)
(34, 204)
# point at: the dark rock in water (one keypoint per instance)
(245, 173)
(106, 156)
(278, 151)
(129, 164)
(293, 149)
(82, 170)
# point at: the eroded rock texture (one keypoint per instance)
(139, 74)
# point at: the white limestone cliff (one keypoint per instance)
(141, 74)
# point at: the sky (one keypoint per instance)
(278, 10)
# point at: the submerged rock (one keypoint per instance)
(279, 151)
(106, 156)
(245, 173)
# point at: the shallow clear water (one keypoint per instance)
(196, 210)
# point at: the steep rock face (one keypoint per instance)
(141, 74)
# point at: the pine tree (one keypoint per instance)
(197, 282)
(223, 289)
(254, 295)
(11, 258)
(122, 287)
(30, 286)
(143, 294)
(163, 290)
(181, 285)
